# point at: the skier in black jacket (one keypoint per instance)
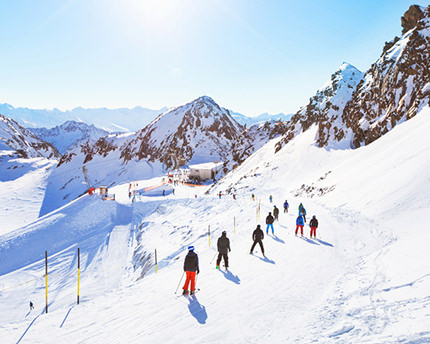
(313, 224)
(223, 249)
(257, 236)
(191, 267)
(269, 223)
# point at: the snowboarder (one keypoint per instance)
(302, 211)
(31, 306)
(270, 198)
(299, 224)
(191, 267)
(257, 236)
(269, 223)
(286, 205)
(223, 246)
(275, 212)
(313, 224)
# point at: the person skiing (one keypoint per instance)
(299, 224)
(253, 197)
(164, 192)
(31, 306)
(313, 224)
(257, 236)
(270, 198)
(269, 223)
(191, 267)
(275, 212)
(219, 195)
(286, 205)
(223, 246)
(302, 211)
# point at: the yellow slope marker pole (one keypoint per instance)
(79, 272)
(234, 224)
(46, 280)
(155, 260)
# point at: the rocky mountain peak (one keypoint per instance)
(23, 143)
(411, 17)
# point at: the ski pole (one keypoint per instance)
(179, 282)
(213, 258)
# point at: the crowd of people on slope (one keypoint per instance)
(191, 263)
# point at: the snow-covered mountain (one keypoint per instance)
(111, 120)
(69, 134)
(264, 117)
(397, 85)
(200, 131)
(325, 109)
(353, 110)
(18, 141)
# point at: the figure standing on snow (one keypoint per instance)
(31, 306)
(299, 224)
(164, 192)
(269, 223)
(275, 212)
(253, 197)
(257, 236)
(286, 205)
(302, 211)
(313, 224)
(219, 195)
(191, 267)
(270, 198)
(223, 249)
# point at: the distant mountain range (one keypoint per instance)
(69, 134)
(109, 120)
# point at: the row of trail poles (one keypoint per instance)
(46, 279)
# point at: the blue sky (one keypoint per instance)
(251, 56)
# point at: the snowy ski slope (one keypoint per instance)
(366, 278)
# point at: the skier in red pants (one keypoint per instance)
(299, 224)
(313, 224)
(191, 267)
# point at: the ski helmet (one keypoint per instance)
(191, 248)
(224, 232)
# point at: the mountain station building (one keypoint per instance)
(205, 171)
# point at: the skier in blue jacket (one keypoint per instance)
(299, 224)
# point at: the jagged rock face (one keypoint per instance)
(69, 134)
(411, 18)
(23, 143)
(395, 87)
(200, 129)
(255, 137)
(325, 109)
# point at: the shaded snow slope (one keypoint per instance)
(365, 279)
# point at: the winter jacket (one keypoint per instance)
(299, 221)
(258, 235)
(223, 244)
(313, 223)
(286, 205)
(269, 220)
(191, 262)
(276, 212)
(302, 211)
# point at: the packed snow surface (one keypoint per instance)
(365, 279)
